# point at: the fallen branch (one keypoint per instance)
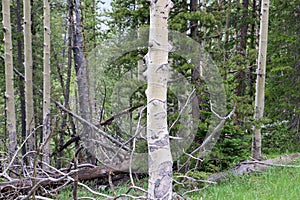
(247, 167)
(79, 118)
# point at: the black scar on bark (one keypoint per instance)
(161, 185)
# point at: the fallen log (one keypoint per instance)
(54, 179)
(252, 166)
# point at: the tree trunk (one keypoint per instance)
(244, 29)
(159, 158)
(47, 84)
(30, 124)
(67, 86)
(260, 81)
(253, 45)
(194, 4)
(81, 75)
(21, 68)
(9, 80)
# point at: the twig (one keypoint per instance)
(111, 185)
(128, 110)
(81, 184)
(269, 164)
(37, 197)
(196, 190)
(220, 117)
(129, 196)
(75, 195)
(94, 127)
(4, 174)
(181, 111)
(196, 180)
(134, 141)
(213, 133)
(136, 188)
(190, 155)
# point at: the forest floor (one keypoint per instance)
(276, 183)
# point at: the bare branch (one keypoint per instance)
(4, 174)
(181, 111)
(79, 118)
(118, 115)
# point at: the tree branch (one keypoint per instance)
(118, 115)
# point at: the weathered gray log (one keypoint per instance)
(249, 166)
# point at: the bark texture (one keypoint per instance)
(82, 80)
(21, 69)
(47, 83)
(260, 81)
(28, 74)
(9, 79)
(160, 158)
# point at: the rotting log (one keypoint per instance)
(250, 166)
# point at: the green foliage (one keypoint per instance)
(282, 87)
(233, 146)
(276, 183)
(278, 138)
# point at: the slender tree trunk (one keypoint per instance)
(21, 68)
(9, 80)
(260, 81)
(30, 124)
(194, 4)
(244, 29)
(160, 158)
(86, 61)
(67, 85)
(253, 45)
(47, 84)
(81, 74)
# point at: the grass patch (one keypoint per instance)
(274, 184)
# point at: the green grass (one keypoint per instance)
(274, 184)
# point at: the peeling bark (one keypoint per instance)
(30, 123)
(9, 80)
(260, 81)
(159, 158)
(47, 83)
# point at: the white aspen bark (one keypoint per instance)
(47, 83)
(9, 80)
(260, 81)
(160, 158)
(28, 74)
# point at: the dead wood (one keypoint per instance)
(252, 166)
(53, 179)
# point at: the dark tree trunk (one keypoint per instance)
(67, 83)
(253, 45)
(244, 28)
(21, 69)
(81, 74)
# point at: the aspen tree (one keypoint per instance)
(159, 158)
(260, 81)
(9, 79)
(28, 74)
(47, 83)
